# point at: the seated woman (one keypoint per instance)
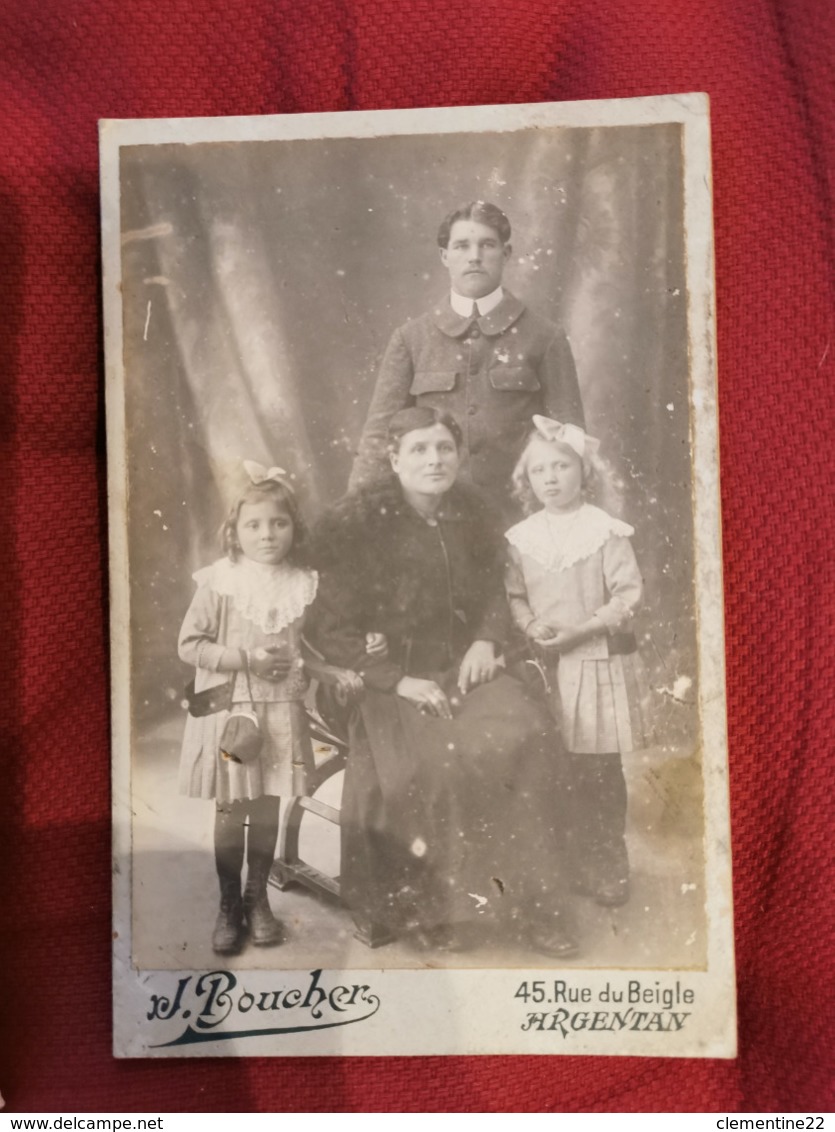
(451, 807)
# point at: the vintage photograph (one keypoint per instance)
(416, 579)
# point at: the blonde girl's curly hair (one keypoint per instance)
(522, 491)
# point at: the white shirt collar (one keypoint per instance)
(485, 304)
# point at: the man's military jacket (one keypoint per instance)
(491, 373)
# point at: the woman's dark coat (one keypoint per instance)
(436, 814)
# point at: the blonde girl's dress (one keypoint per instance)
(247, 605)
(564, 569)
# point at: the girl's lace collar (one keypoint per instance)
(272, 597)
(559, 541)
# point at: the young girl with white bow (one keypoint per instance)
(574, 585)
(242, 633)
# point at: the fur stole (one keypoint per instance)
(367, 550)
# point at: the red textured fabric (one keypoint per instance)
(767, 65)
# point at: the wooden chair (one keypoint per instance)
(289, 868)
(328, 724)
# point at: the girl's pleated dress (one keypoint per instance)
(564, 569)
(247, 605)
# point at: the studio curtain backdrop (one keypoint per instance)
(261, 284)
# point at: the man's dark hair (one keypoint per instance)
(483, 212)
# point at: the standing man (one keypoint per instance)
(480, 355)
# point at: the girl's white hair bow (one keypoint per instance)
(259, 474)
(572, 435)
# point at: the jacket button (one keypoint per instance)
(475, 332)
(473, 409)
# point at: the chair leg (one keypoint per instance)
(280, 878)
(372, 935)
(288, 846)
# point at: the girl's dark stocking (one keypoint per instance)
(230, 838)
(264, 929)
(599, 801)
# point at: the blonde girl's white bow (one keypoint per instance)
(577, 440)
(259, 474)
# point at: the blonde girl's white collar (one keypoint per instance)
(272, 597)
(560, 541)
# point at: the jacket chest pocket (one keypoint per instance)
(433, 381)
(514, 379)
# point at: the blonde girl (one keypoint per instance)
(574, 585)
